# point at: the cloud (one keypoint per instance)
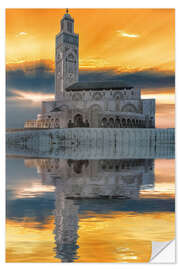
(33, 76)
(21, 34)
(123, 34)
(31, 96)
(144, 79)
(35, 80)
(38, 77)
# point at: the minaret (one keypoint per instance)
(67, 56)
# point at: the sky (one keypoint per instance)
(134, 45)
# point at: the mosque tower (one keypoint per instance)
(67, 56)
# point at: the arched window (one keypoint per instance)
(128, 123)
(123, 122)
(133, 123)
(117, 123)
(104, 122)
(78, 120)
(111, 122)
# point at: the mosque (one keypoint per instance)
(95, 104)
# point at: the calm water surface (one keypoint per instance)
(88, 210)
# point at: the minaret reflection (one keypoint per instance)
(88, 179)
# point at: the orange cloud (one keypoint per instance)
(97, 30)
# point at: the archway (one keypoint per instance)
(123, 123)
(104, 122)
(52, 123)
(129, 108)
(117, 123)
(111, 123)
(133, 123)
(95, 110)
(57, 123)
(78, 120)
(136, 123)
(128, 123)
(70, 124)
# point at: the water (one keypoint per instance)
(87, 210)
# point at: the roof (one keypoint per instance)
(67, 16)
(98, 85)
(56, 110)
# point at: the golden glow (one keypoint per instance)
(126, 34)
(114, 39)
(34, 190)
(25, 242)
(113, 237)
(165, 106)
(118, 237)
(31, 96)
(165, 180)
(123, 236)
(161, 98)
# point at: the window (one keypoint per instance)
(69, 27)
(62, 25)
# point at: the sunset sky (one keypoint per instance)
(134, 45)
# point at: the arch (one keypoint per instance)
(94, 112)
(136, 123)
(111, 123)
(78, 120)
(151, 123)
(123, 122)
(95, 107)
(133, 123)
(104, 122)
(70, 124)
(70, 54)
(128, 123)
(117, 123)
(86, 124)
(129, 108)
(57, 123)
(52, 123)
(118, 94)
(76, 97)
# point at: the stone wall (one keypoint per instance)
(94, 143)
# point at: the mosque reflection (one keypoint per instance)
(94, 185)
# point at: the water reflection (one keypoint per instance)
(92, 204)
(82, 179)
(101, 187)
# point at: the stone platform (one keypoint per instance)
(92, 143)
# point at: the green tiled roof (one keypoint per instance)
(98, 85)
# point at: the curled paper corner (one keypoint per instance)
(163, 252)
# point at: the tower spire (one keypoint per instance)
(67, 55)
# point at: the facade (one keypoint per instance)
(95, 104)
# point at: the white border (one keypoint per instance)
(70, 4)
